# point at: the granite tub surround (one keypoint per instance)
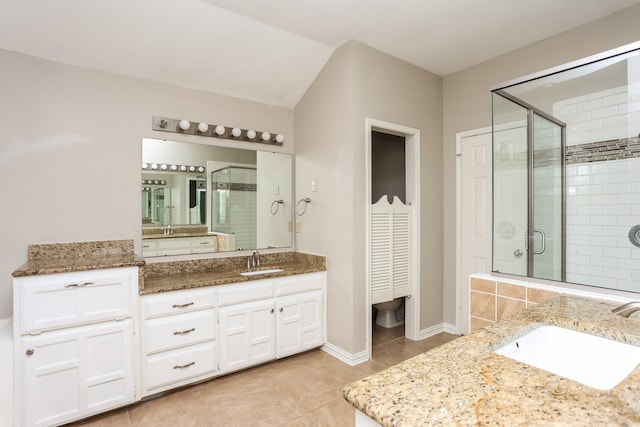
(464, 382)
(51, 258)
(176, 275)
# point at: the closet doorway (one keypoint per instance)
(393, 222)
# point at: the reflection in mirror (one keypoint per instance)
(200, 198)
(567, 173)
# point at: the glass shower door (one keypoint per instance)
(528, 176)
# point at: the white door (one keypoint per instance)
(474, 215)
(76, 372)
(299, 323)
(246, 334)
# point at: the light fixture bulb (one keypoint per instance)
(251, 134)
(236, 132)
(200, 169)
(183, 168)
(220, 130)
(144, 166)
(174, 167)
(185, 124)
(164, 167)
(154, 166)
(203, 127)
(280, 138)
(266, 136)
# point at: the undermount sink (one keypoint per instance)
(593, 361)
(256, 272)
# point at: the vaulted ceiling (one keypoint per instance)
(271, 50)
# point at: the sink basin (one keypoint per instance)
(256, 272)
(593, 361)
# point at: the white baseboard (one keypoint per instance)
(346, 357)
(437, 329)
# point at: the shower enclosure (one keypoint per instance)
(233, 204)
(529, 202)
(567, 172)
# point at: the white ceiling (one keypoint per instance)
(271, 50)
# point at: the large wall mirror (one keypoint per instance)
(199, 198)
(567, 173)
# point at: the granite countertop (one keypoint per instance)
(51, 258)
(464, 382)
(178, 275)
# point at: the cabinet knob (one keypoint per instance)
(272, 310)
(281, 309)
(30, 352)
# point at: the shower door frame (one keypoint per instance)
(531, 113)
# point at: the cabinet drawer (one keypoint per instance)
(168, 303)
(245, 292)
(299, 283)
(170, 332)
(181, 364)
(54, 301)
(149, 248)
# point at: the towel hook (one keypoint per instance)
(277, 204)
(301, 211)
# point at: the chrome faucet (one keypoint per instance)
(627, 309)
(255, 259)
(168, 229)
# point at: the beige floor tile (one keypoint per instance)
(382, 335)
(337, 413)
(200, 418)
(117, 418)
(265, 407)
(313, 389)
(389, 354)
(166, 408)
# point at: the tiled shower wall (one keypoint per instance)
(603, 187)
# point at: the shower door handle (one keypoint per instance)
(543, 237)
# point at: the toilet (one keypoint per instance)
(386, 313)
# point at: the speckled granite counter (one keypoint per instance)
(50, 258)
(177, 275)
(465, 383)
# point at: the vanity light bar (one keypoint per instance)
(154, 182)
(165, 124)
(162, 167)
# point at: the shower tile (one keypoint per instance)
(512, 291)
(483, 285)
(483, 305)
(507, 307)
(539, 295)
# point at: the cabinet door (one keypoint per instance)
(73, 373)
(299, 323)
(246, 334)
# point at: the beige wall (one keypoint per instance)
(467, 103)
(356, 83)
(70, 151)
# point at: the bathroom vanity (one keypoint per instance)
(95, 328)
(465, 382)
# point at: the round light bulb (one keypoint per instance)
(154, 166)
(220, 130)
(236, 132)
(183, 168)
(200, 169)
(251, 134)
(164, 167)
(266, 136)
(144, 166)
(192, 168)
(203, 127)
(174, 167)
(280, 138)
(185, 124)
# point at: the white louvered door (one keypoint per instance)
(390, 255)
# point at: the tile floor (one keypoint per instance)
(299, 391)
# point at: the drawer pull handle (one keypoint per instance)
(79, 285)
(184, 366)
(184, 332)
(281, 309)
(182, 305)
(205, 243)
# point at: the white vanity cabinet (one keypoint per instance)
(74, 350)
(179, 338)
(179, 245)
